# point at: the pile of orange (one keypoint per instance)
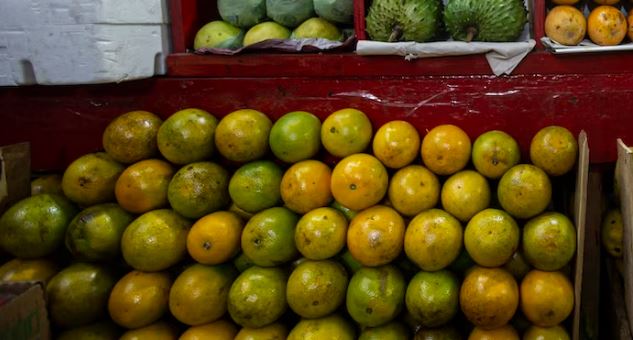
(209, 228)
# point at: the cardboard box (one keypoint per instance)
(23, 314)
(15, 174)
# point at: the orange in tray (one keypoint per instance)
(566, 25)
(606, 26)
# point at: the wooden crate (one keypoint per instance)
(624, 175)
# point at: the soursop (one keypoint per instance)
(404, 20)
(341, 11)
(289, 13)
(485, 20)
(242, 13)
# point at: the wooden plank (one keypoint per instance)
(580, 211)
(625, 178)
(618, 321)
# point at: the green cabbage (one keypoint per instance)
(242, 13)
(341, 11)
(289, 13)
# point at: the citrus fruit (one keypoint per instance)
(462, 263)
(489, 297)
(554, 149)
(346, 132)
(359, 181)
(242, 135)
(433, 239)
(517, 265)
(155, 240)
(218, 34)
(268, 237)
(547, 298)
(255, 186)
(138, 299)
(612, 232)
(506, 332)
(565, 25)
(102, 330)
(316, 288)
(242, 262)
(157, 331)
(217, 330)
(317, 28)
(491, 237)
(215, 238)
(413, 189)
(275, 331)
(306, 186)
(199, 189)
(391, 331)
(432, 297)
(375, 296)
(78, 295)
(296, 135)
(376, 236)
(349, 213)
(95, 233)
(606, 26)
(321, 233)
(143, 186)
(349, 262)
(549, 241)
(629, 20)
(90, 179)
(443, 333)
(265, 31)
(28, 270)
(332, 327)
(396, 144)
(524, 191)
(546, 333)
(48, 184)
(199, 294)
(445, 149)
(243, 214)
(35, 226)
(494, 152)
(258, 297)
(187, 136)
(464, 194)
(131, 136)
(565, 2)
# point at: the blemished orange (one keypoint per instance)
(396, 144)
(143, 186)
(413, 189)
(157, 331)
(547, 298)
(606, 25)
(321, 233)
(376, 236)
(346, 132)
(306, 186)
(359, 181)
(433, 239)
(565, 25)
(446, 149)
(275, 331)
(242, 135)
(218, 330)
(131, 136)
(215, 238)
(554, 149)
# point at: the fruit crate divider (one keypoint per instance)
(624, 176)
(580, 214)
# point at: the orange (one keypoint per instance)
(565, 2)
(306, 186)
(268, 237)
(255, 186)
(546, 333)
(524, 191)
(391, 331)
(375, 296)
(606, 25)
(629, 19)
(376, 236)
(242, 262)
(198, 189)
(295, 136)
(349, 261)
(349, 213)
(218, 330)
(321, 233)
(494, 152)
(329, 327)
(243, 214)
(432, 297)
(549, 241)
(446, 149)
(157, 331)
(275, 331)
(155, 240)
(48, 184)
(139, 299)
(215, 238)
(517, 265)
(565, 25)
(612, 231)
(106, 330)
(554, 149)
(199, 294)
(413, 189)
(359, 181)
(506, 332)
(547, 298)
(346, 132)
(489, 297)
(491, 237)
(131, 136)
(187, 136)
(433, 239)
(28, 270)
(464, 194)
(606, 2)
(316, 288)
(448, 333)
(90, 179)
(143, 186)
(396, 144)
(242, 135)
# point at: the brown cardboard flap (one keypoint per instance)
(580, 212)
(24, 316)
(15, 174)
(624, 177)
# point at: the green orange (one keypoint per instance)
(391, 331)
(187, 136)
(131, 136)
(47, 184)
(554, 149)
(199, 189)
(242, 135)
(494, 152)
(268, 237)
(275, 331)
(432, 298)
(549, 241)
(346, 132)
(28, 270)
(90, 179)
(316, 288)
(524, 191)
(295, 136)
(329, 327)
(102, 330)
(255, 186)
(491, 237)
(433, 239)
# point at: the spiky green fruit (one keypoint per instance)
(403, 20)
(485, 20)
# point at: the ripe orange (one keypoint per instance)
(554, 149)
(565, 25)
(329, 327)
(218, 330)
(187, 136)
(494, 152)
(306, 186)
(506, 332)
(606, 2)
(606, 25)
(359, 181)
(90, 179)
(157, 331)
(28, 270)
(464, 194)
(268, 237)
(553, 333)
(565, 2)
(433, 239)
(295, 136)
(255, 186)
(346, 132)
(275, 331)
(524, 191)
(547, 298)
(143, 186)
(612, 232)
(242, 135)
(629, 20)
(413, 189)
(131, 137)
(396, 144)
(376, 236)
(316, 288)
(491, 237)
(215, 238)
(198, 189)
(549, 241)
(321, 233)
(446, 149)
